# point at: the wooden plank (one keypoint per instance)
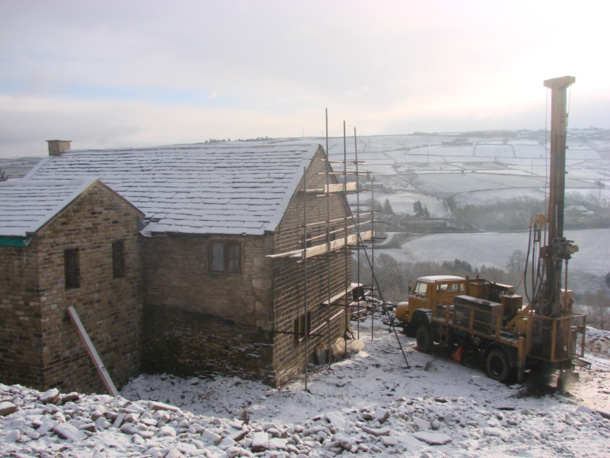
(340, 187)
(284, 254)
(321, 249)
(341, 295)
(97, 361)
(334, 245)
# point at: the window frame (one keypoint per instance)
(72, 277)
(118, 259)
(232, 262)
(301, 328)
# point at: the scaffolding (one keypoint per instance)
(339, 236)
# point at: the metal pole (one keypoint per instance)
(555, 216)
(305, 268)
(328, 255)
(347, 257)
(373, 253)
(359, 241)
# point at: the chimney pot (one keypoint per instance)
(56, 147)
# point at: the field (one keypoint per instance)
(477, 168)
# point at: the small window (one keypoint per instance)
(307, 242)
(233, 258)
(420, 288)
(225, 257)
(118, 259)
(456, 287)
(71, 268)
(301, 328)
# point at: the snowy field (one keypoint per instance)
(475, 170)
(371, 404)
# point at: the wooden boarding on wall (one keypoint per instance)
(324, 248)
(101, 369)
(334, 245)
(339, 187)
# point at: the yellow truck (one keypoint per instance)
(480, 316)
(477, 316)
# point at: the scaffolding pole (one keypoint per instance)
(347, 211)
(328, 256)
(358, 220)
(332, 248)
(305, 273)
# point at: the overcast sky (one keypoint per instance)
(137, 73)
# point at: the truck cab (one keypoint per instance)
(429, 292)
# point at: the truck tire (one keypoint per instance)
(497, 365)
(423, 337)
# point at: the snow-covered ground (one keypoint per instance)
(368, 404)
(476, 170)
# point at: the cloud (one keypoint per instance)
(142, 72)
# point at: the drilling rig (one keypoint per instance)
(480, 317)
(551, 338)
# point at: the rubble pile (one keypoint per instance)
(50, 424)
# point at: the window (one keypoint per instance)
(118, 259)
(300, 328)
(225, 257)
(71, 268)
(420, 288)
(456, 288)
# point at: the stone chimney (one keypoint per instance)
(56, 147)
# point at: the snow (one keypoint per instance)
(218, 188)
(25, 206)
(368, 404)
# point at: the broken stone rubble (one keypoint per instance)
(160, 430)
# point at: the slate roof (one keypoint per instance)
(26, 206)
(219, 188)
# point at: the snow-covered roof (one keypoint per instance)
(440, 278)
(218, 188)
(25, 205)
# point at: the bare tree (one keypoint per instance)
(598, 305)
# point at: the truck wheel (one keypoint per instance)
(423, 337)
(497, 365)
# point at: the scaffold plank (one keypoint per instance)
(317, 250)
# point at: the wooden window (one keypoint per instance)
(296, 331)
(225, 257)
(301, 327)
(307, 242)
(118, 259)
(71, 268)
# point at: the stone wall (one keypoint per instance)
(187, 343)
(20, 320)
(109, 308)
(203, 323)
(289, 275)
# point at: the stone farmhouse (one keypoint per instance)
(189, 260)
(72, 242)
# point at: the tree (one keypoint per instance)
(418, 208)
(598, 305)
(601, 185)
(387, 208)
(426, 212)
(516, 262)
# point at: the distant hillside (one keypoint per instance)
(17, 167)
